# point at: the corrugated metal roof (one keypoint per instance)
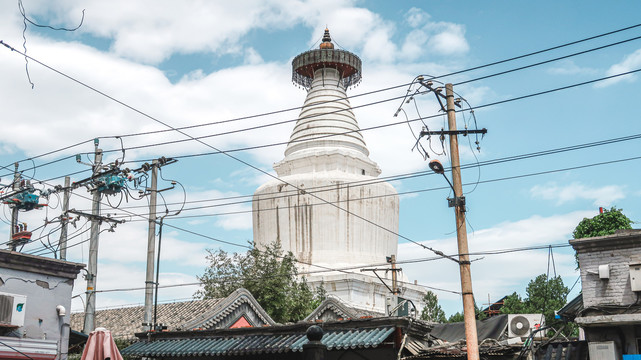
(255, 344)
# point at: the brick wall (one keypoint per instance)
(618, 251)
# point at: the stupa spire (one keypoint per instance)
(326, 122)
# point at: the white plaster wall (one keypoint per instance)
(43, 294)
(365, 292)
(323, 234)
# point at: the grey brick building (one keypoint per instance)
(611, 279)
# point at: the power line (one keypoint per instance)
(226, 279)
(494, 161)
(237, 159)
(256, 147)
(415, 174)
(321, 199)
(358, 95)
(417, 191)
(548, 61)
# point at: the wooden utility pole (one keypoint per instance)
(469, 314)
(471, 337)
(64, 219)
(151, 248)
(92, 264)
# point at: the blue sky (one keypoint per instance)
(193, 63)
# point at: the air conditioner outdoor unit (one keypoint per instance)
(12, 309)
(522, 325)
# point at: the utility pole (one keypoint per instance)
(14, 211)
(469, 315)
(395, 290)
(92, 263)
(151, 248)
(471, 337)
(64, 219)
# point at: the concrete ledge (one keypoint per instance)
(609, 320)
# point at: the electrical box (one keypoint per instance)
(111, 184)
(605, 350)
(604, 271)
(12, 309)
(635, 276)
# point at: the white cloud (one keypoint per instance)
(151, 31)
(568, 67)
(601, 196)
(500, 274)
(629, 63)
(228, 214)
(449, 39)
(416, 17)
(442, 38)
(252, 57)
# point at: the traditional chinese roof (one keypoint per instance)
(183, 315)
(257, 344)
(333, 309)
(280, 339)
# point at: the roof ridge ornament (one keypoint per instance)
(327, 41)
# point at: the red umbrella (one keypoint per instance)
(101, 346)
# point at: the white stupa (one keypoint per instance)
(337, 214)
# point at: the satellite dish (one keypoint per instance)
(520, 325)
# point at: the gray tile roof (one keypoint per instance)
(257, 343)
(334, 309)
(125, 322)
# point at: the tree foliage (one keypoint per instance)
(602, 224)
(543, 295)
(269, 275)
(460, 316)
(432, 311)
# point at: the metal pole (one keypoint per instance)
(469, 315)
(395, 290)
(157, 274)
(151, 248)
(62, 244)
(92, 265)
(14, 211)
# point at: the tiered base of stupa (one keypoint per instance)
(367, 293)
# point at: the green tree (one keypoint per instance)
(269, 275)
(432, 311)
(602, 224)
(513, 304)
(544, 295)
(460, 316)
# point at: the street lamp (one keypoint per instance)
(458, 203)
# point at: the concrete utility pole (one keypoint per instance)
(471, 338)
(92, 264)
(64, 219)
(151, 247)
(395, 289)
(14, 211)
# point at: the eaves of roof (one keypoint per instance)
(257, 343)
